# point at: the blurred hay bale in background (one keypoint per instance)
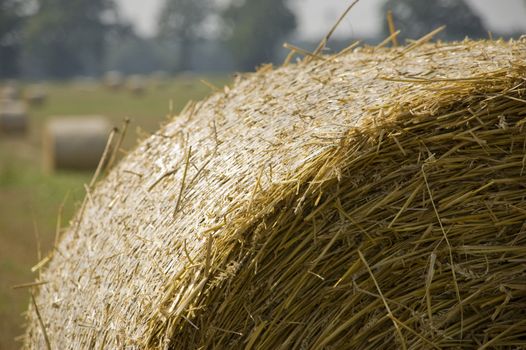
(74, 143)
(36, 95)
(13, 117)
(10, 92)
(113, 80)
(136, 85)
(373, 199)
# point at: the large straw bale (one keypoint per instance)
(373, 199)
(75, 143)
(13, 117)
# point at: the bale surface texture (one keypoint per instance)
(373, 199)
(75, 143)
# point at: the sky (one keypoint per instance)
(315, 17)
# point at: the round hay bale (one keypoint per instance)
(136, 85)
(373, 199)
(113, 80)
(13, 117)
(10, 92)
(36, 95)
(75, 143)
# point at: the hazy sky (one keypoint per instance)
(315, 17)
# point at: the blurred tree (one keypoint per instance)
(67, 37)
(11, 20)
(256, 29)
(132, 54)
(182, 22)
(416, 18)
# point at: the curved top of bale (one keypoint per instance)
(225, 228)
(79, 125)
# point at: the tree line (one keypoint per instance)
(66, 38)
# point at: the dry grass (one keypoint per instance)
(369, 200)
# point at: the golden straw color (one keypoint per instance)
(374, 199)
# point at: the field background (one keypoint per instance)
(30, 199)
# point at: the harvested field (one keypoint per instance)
(373, 199)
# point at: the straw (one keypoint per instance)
(370, 201)
(392, 31)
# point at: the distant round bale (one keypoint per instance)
(113, 80)
(75, 143)
(13, 117)
(10, 92)
(373, 199)
(136, 85)
(36, 95)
